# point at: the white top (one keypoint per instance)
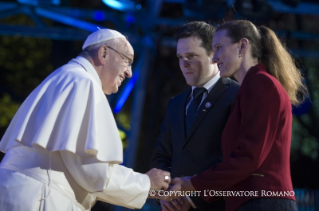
(67, 127)
(68, 111)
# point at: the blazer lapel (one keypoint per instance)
(204, 108)
(180, 112)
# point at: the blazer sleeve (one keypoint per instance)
(259, 103)
(162, 155)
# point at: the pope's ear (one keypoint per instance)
(102, 54)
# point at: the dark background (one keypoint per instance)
(32, 46)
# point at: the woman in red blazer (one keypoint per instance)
(255, 174)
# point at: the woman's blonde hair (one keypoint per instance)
(270, 51)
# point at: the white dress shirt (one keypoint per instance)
(208, 86)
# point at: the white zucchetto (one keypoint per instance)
(101, 35)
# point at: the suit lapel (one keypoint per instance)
(180, 112)
(204, 108)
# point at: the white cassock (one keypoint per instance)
(63, 148)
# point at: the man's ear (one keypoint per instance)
(102, 54)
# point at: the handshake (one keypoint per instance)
(161, 180)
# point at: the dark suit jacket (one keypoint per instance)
(187, 156)
(255, 143)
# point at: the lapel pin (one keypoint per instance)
(208, 104)
(204, 110)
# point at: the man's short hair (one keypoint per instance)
(199, 29)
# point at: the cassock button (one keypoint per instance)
(184, 151)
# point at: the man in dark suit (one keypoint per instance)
(189, 142)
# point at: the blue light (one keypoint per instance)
(99, 16)
(29, 2)
(122, 5)
(126, 92)
(114, 4)
(66, 20)
(130, 19)
(138, 7)
(56, 2)
(39, 2)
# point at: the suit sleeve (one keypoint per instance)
(260, 104)
(162, 155)
(111, 183)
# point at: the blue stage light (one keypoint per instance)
(138, 6)
(99, 16)
(40, 2)
(126, 92)
(122, 5)
(130, 19)
(56, 2)
(66, 20)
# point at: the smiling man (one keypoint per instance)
(63, 148)
(189, 142)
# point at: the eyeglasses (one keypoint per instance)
(126, 59)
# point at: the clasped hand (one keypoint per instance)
(174, 198)
(170, 192)
(178, 187)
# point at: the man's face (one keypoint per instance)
(116, 68)
(196, 65)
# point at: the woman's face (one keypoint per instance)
(226, 54)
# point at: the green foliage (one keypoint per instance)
(18, 19)
(24, 62)
(305, 134)
(122, 118)
(7, 110)
(312, 78)
(302, 142)
(122, 134)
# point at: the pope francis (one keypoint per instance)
(62, 148)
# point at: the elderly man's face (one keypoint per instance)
(117, 68)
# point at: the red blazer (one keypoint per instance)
(255, 144)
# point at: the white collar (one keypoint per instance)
(88, 67)
(209, 84)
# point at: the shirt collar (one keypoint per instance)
(88, 67)
(209, 84)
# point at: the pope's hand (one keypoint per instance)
(178, 185)
(159, 179)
